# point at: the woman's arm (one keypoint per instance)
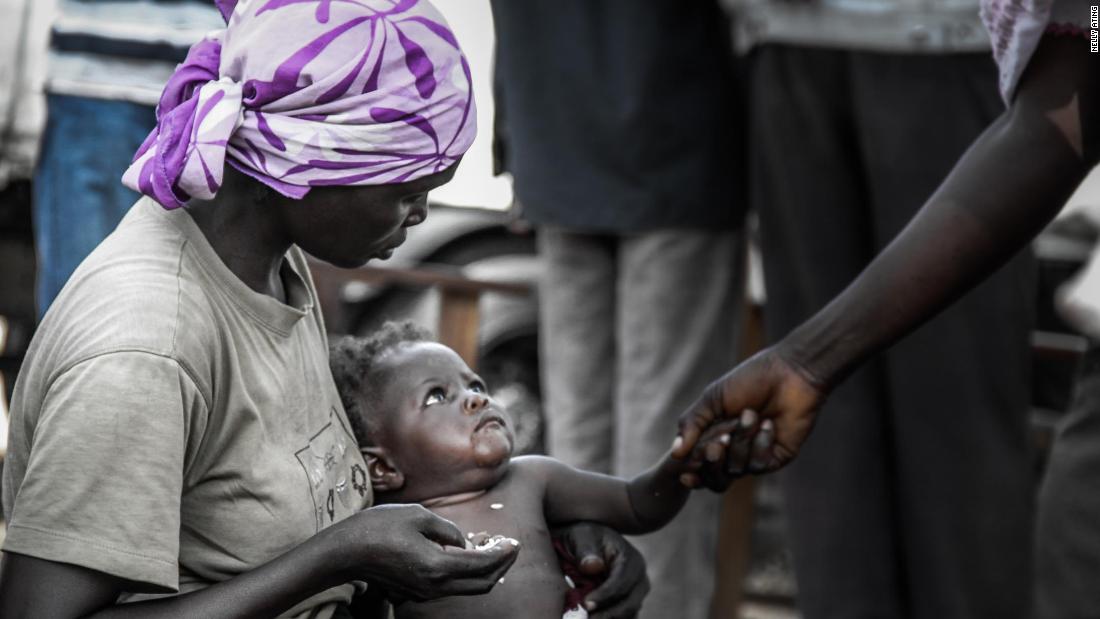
(1008, 185)
(399, 547)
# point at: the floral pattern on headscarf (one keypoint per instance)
(307, 93)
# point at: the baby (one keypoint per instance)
(431, 434)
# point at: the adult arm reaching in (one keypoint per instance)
(1007, 186)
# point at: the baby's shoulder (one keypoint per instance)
(530, 469)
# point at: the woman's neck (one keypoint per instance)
(243, 226)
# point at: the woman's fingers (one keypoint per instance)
(475, 571)
(599, 550)
(621, 595)
(440, 530)
(625, 607)
(584, 544)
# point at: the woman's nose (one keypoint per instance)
(474, 403)
(417, 215)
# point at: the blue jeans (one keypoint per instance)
(78, 193)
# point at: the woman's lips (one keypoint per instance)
(387, 251)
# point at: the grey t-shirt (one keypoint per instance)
(172, 426)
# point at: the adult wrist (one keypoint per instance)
(336, 556)
(816, 354)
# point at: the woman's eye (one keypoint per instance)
(435, 396)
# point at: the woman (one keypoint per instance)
(175, 428)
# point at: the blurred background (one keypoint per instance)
(609, 130)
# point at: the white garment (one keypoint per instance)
(1015, 27)
(905, 26)
(24, 38)
(1078, 300)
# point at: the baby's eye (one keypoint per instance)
(436, 396)
(478, 387)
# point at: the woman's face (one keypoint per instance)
(348, 226)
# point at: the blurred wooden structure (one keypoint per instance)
(459, 316)
(737, 511)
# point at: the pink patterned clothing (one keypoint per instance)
(1015, 27)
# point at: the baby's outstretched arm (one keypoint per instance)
(640, 505)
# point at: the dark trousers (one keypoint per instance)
(914, 496)
(1068, 539)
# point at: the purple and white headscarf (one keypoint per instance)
(306, 93)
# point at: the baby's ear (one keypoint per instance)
(383, 472)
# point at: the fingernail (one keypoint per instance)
(677, 443)
(589, 606)
(748, 417)
(725, 439)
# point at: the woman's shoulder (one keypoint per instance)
(131, 293)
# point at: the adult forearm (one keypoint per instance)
(266, 591)
(1010, 183)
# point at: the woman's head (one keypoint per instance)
(302, 94)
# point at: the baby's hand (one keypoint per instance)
(729, 449)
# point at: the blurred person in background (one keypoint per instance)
(1008, 185)
(24, 32)
(858, 110)
(619, 123)
(107, 64)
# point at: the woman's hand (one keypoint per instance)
(600, 551)
(414, 554)
(404, 549)
(773, 403)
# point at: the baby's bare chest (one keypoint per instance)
(533, 587)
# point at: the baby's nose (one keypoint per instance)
(475, 402)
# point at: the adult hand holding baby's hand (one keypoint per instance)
(768, 406)
(415, 555)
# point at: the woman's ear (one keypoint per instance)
(383, 472)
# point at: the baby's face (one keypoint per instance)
(439, 424)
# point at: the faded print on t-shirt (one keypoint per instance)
(334, 485)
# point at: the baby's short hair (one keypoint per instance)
(353, 359)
